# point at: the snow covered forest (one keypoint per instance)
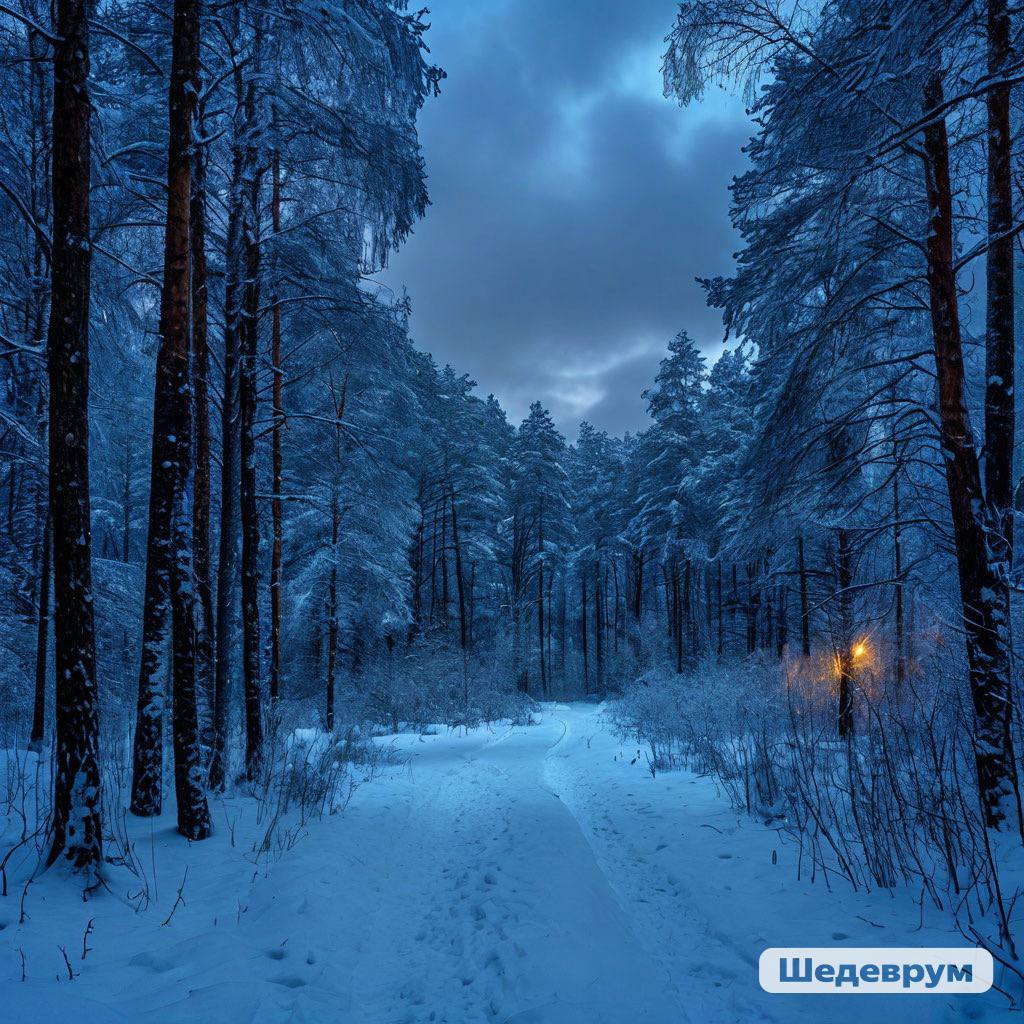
(269, 572)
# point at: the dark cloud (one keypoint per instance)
(572, 205)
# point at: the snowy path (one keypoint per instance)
(522, 875)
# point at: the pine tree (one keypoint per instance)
(76, 829)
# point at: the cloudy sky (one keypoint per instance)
(572, 205)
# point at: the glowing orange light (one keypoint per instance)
(860, 649)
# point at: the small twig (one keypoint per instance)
(86, 948)
(67, 963)
(23, 917)
(180, 899)
(867, 921)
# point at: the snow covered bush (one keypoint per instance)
(895, 804)
(715, 721)
(433, 685)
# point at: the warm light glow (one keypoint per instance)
(860, 649)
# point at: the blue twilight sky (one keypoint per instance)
(572, 205)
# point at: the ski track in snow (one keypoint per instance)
(534, 875)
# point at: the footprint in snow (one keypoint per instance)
(152, 962)
(289, 981)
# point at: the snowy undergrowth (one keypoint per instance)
(158, 892)
(894, 808)
(435, 687)
(50, 921)
(502, 873)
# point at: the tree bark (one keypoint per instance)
(339, 402)
(227, 556)
(176, 334)
(805, 613)
(720, 647)
(897, 552)
(277, 459)
(999, 337)
(782, 620)
(688, 616)
(583, 632)
(984, 593)
(459, 579)
(753, 604)
(200, 371)
(540, 602)
(844, 655)
(677, 614)
(248, 505)
(76, 828)
(42, 634)
(332, 617)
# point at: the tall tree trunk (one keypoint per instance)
(40, 201)
(76, 828)
(433, 566)
(688, 616)
(170, 467)
(984, 593)
(459, 579)
(127, 506)
(339, 401)
(615, 582)
(753, 604)
(670, 613)
(999, 337)
(277, 459)
(445, 591)
(844, 655)
(416, 559)
(782, 620)
(897, 552)
(472, 601)
(540, 602)
(248, 505)
(200, 372)
(720, 647)
(677, 606)
(735, 602)
(583, 633)
(709, 613)
(332, 616)
(176, 335)
(604, 606)
(638, 592)
(42, 634)
(805, 612)
(227, 556)
(147, 757)
(563, 624)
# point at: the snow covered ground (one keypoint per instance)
(536, 875)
